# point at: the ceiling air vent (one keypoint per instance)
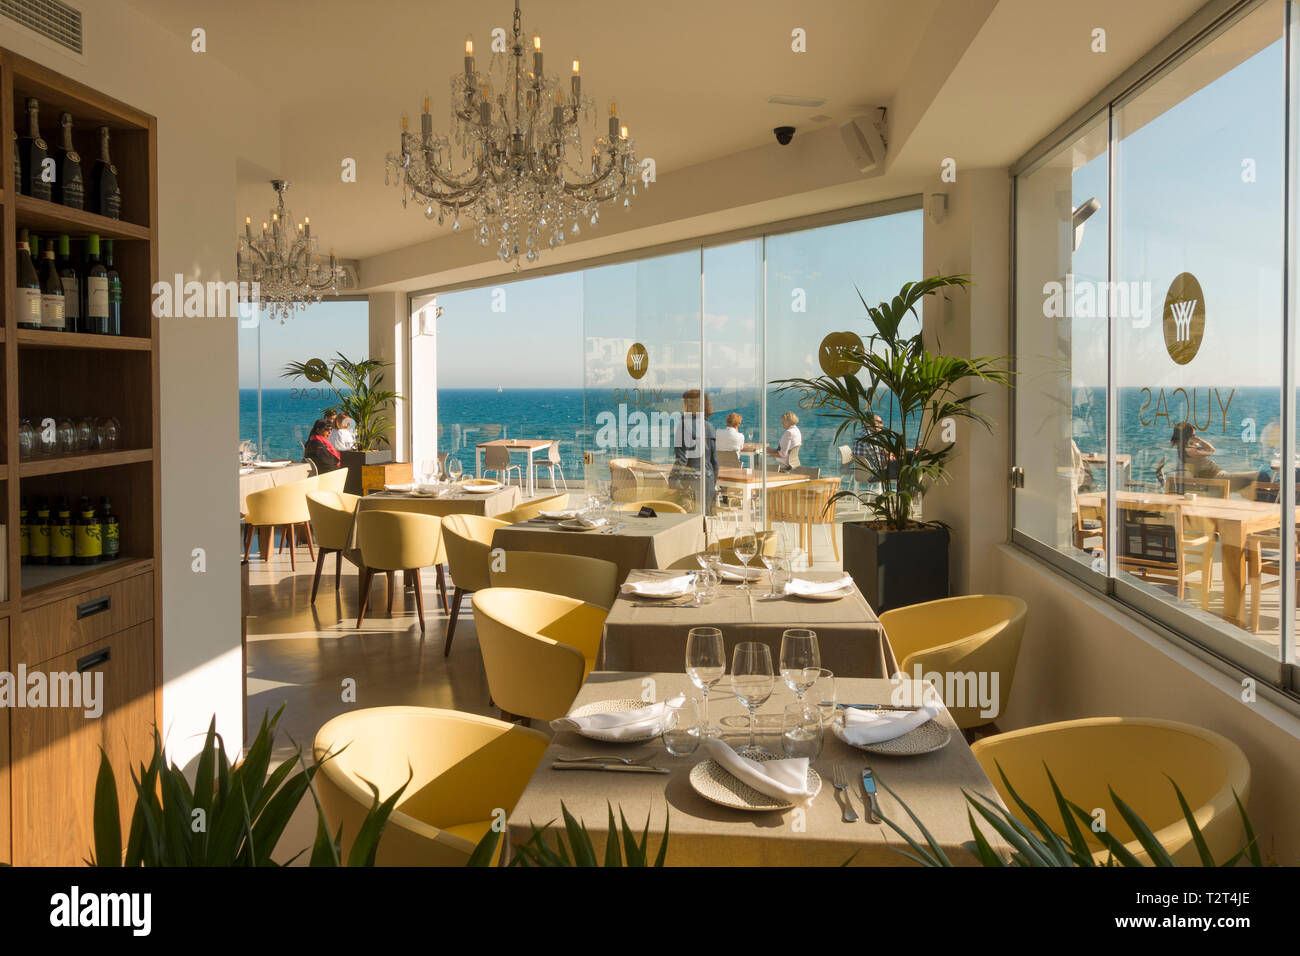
(52, 19)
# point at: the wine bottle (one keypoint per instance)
(71, 287)
(68, 190)
(88, 542)
(36, 179)
(103, 180)
(96, 297)
(18, 166)
(110, 530)
(52, 316)
(29, 287)
(61, 544)
(39, 531)
(114, 291)
(24, 533)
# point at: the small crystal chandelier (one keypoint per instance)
(284, 261)
(527, 181)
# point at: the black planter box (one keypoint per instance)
(896, 568)
(353, 460)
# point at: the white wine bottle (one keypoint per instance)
(52, 314)
(29, 287)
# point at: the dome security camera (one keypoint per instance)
(784, 134)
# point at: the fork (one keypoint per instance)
(840, 781)
(629, 761)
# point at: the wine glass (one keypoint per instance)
(774, 558)
(706, 662)
(454, 468)
(752, 682)
(26, 440)
(801, 659)
(683, 728)
(801, 731)
(67, 436)
(711, 556)
(823, 694)
(87, 434)
(745, 546)
(430, 470)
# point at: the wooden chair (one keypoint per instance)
(660, 506)
(728, 459)
(807, 504)
(1263, 556)
(1166, 546)
(1209, 487)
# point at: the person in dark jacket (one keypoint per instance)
(695, 443)
(320, 449)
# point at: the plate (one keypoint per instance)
(401, 489)
(927, 738)
(247, 471)
(715, 783)
(573, 525)
(636, 595)
(272, 464)
(483, 489)
(611, 707)
(828, 596)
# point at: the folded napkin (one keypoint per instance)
(430, 488)
(739, 570)
(407, 487)
(862, 727)
(804, 586)
(783, 779)
(588, 522)
(661, 587)
(621, 724)
(567, 513)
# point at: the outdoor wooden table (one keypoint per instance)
(1234, 520)
(648, 635)
(749, 483)
(637, 542)
(526, 445)
(702, 833)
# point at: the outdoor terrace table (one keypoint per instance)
(648, 635)
(702, 833)
(749, 483)
(527, 445)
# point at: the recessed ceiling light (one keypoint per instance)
(811, 102)
(819, 118)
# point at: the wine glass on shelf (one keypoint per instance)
(752, 681)
(745, 546)
(706, 663)
(801, 659)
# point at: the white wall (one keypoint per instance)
(208, 119)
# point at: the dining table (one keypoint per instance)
(704, 833)
(627, 540)
(529, 446)
(644, 634)
(454, 500)
(253, 477)
(748, 484)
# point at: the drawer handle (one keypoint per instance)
(93, 660)
(97, 606)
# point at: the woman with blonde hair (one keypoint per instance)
(791, 439)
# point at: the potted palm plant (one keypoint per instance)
(896, 400)
(359, 392)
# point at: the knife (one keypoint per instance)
(618, 767)
(827, 703)
(869, 787)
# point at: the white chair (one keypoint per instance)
(496, 458)
(553, 464)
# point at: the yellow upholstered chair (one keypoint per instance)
(976, 634)
(396, 541)
(468, 540)
(332, 514)
(284, 507)
(532, 509)
(462, 768)
(574, 575)
(332, 480)
(422, 506)
(660, 507)
(537, 649)
(1136, 757)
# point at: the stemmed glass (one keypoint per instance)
(429, 470)
(454, 468)
(745, 545)
(706, 662)
(775, 562)
(752, 682)
(711, 557)
(801, 659)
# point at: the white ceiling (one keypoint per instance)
(691, 77)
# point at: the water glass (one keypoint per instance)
(822, 693)
(683, 727)
(801, 731)
(706, 586)
(706, 662)
(752, 681)
(801, 659)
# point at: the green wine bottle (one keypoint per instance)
(24, 533)
(29, 286)
(52, 316)
(114, 291)
(71, 286)
(110, 530)
(88, 543)
(61, 543)
(39, 531)
(96, 297)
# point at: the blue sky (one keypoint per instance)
(319, 331)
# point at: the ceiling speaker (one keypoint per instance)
(865, 142)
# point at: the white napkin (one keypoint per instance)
(402, 488)
(588, 522)
(430, 488)
(804, 586)
(661, 587)
(621, 724)
(862, 727)
(783, 779)
(565, 514)
(739, 571)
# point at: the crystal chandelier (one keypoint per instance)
(526, 178)
(284, 261)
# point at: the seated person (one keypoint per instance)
(872, 457)
(731, 438)
(320, 449)
(1194, 452)
(791, 438)
(344, 437)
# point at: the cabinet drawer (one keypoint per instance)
(74, 622)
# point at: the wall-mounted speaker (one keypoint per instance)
(864, 138)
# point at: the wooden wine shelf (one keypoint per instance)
(36, 338)
(43, 583)
(45, 217)
(83, 462)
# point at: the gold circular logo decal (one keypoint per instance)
(834, 351)
(315, 370)
(638, 360)
(1184, 318)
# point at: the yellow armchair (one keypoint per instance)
(421, 506)
(1136, 757)
(468, 540)
(532, 509)
(537, 648)
(463, 768)
(396, 541)
(660, 507)
(283, 506)
(333, 480)
(332, 514)
(591, 580)
(975, 635)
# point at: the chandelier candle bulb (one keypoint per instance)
(248, 227)
(575, 84)
(537, 57)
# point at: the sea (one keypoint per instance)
(1242, 423)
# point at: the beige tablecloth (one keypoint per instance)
(461, 503)
(702, 833)
(642, 635)
(640, 543)
(262, 478)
